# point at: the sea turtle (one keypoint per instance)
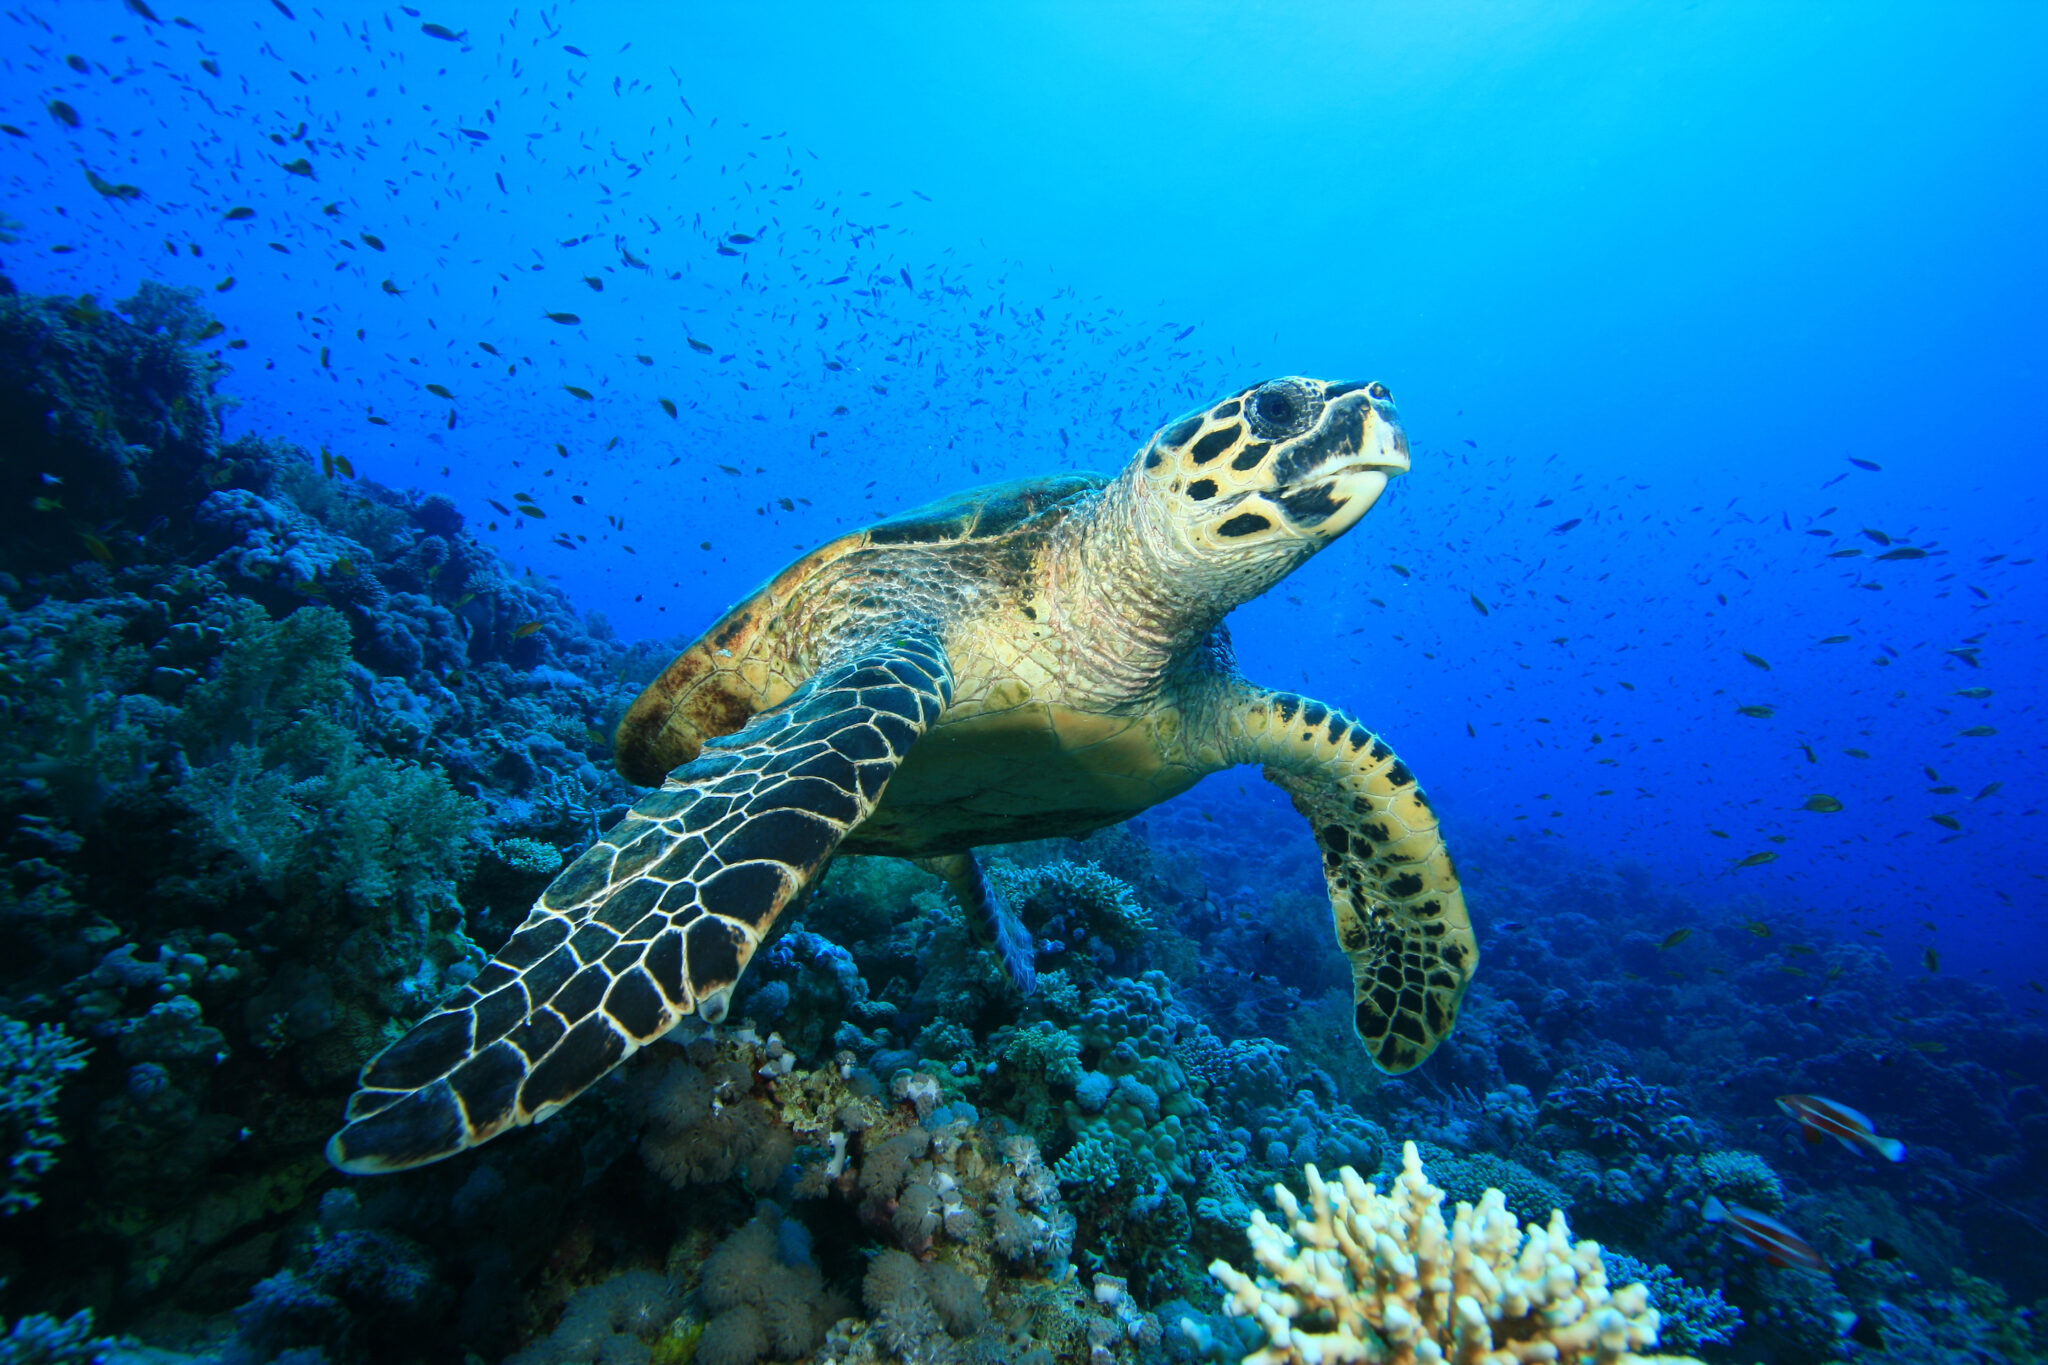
(1031, 659)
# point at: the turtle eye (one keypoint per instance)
(1281, 409)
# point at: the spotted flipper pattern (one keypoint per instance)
(1394, 896)
(655, 921)
(994, 925)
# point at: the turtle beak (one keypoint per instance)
(1381, 444)
(1336, 473)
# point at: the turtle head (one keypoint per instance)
(1251, 487)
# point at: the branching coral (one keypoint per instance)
(1103, 905)
(1360, 1276)
(33, 1065)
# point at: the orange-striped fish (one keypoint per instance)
(1823, 1118)
(1765, 1235)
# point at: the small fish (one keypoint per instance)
(1930, 959)
(487, 348)
(1401, 569)
(1856, 753)
(392, 289)
(1760, 663)
(372, 240)
(1478, 605)
(566, 319)
(1973, 693)
(594, 282)
(1928, 1045)
(739, 239)
(503, 510)
(342, 568)
(1674, 938)
(64, 113)
(445, 34)
(1903, 552)
(1946, 821)
(1758, 859)
(96, 547)
(700, 347)
(1758, 712)
(528, 509)
(1564, 526)
(1824, 1118)
(343, 467)
(1871, 465)
(238, 213)
(1979, 732)
(440, 391)
(576, 392)
(301, 167)
(667, 406)
(521, 631)
(1823, 803)
(1756, 928)
(1836, 640)
(1990, 789)
(644, 359)
(1764, 1235)
(109, 189)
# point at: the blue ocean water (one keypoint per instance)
(1708, 614)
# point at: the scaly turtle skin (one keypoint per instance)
(1032, 659)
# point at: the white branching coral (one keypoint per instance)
(1356, 1276)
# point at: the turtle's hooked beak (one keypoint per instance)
(1331, 476)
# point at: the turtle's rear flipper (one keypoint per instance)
(1399, 912)
(992, 922)
(655, 921)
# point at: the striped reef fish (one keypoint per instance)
(1765, 1235)
(1823, 1118)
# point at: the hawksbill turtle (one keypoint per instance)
(1030, 659)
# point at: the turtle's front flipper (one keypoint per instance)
(1400, 915)
(992, 922)
(653, 922)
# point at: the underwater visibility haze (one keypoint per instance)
(1047, 683)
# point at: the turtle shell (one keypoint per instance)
(743, 663)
